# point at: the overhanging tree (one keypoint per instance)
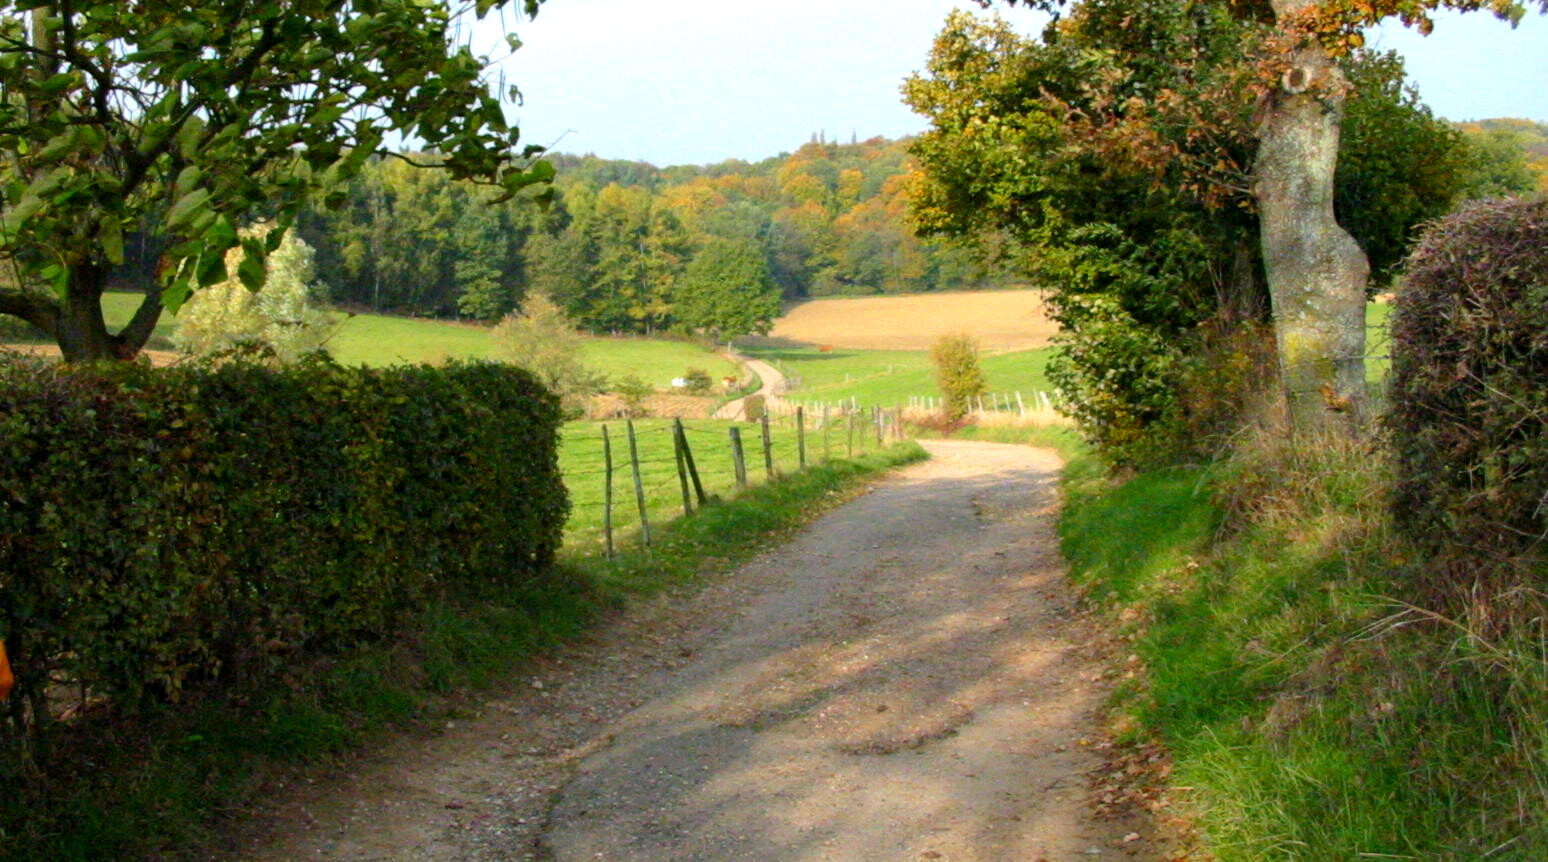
(200, 115)
(1315, 270)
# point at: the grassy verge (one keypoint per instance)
(163, 782)
(1314, 709)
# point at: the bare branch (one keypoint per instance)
(38, 310)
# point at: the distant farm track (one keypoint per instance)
(1000, 319)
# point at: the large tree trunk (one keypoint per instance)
(82, 333)
(1316, 272)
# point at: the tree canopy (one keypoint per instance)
(1118, 152)
(726, 290)
(188, 119)
(1211, 98)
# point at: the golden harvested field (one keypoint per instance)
(1000, 319)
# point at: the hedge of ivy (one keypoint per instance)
(1470, 381)
(161, 529)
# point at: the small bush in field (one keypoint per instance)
(698, 381)
(281, 318)
(957, 372)
(633, 391)
(1470, 381)
(540, 338)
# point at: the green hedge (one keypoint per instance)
(162, 529)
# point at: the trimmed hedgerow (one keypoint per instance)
(162, 529)
(1470, 381)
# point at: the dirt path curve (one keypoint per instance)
(905, 679)
(771, 389)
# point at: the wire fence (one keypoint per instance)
(626, 478)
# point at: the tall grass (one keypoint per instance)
(1320, 705)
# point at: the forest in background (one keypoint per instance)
(629, 247)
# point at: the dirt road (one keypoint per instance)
(905, 679)
(773, 386)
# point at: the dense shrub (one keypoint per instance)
(1470, 381)
(161, 529)
(697, 381)
(958, 373)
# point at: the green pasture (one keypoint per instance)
(582, 462)
(1378, 341)
(373, 339)
(378, 339)
(890, 377)
(655, 361)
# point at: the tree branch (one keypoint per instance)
(132, 338)
(40, 311)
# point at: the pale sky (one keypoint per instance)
(699, 81)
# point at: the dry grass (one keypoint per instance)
(999, 319)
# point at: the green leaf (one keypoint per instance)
(17, 218)
(175, 294)
(110, 233)
(58, 278)
(57, 84)
(211, 268)
(187, 206)
(187, 179)
(253, 269)
(58, 146)
(188, 137)
(222, 233)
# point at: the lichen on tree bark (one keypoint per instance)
(1316, 271)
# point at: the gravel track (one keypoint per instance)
(907, 678)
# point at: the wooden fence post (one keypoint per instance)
(682, 469)
(825, 432)
(801, 435)
(693, 469)
(607, 491)
(738, 462)
(849, 434)
(639, 484)
(768, 450)
(876, 415)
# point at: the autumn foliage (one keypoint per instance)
(958, 373)
(1470, 381)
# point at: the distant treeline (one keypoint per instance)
(616, 243)
(1513, 152)
(616, 246)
